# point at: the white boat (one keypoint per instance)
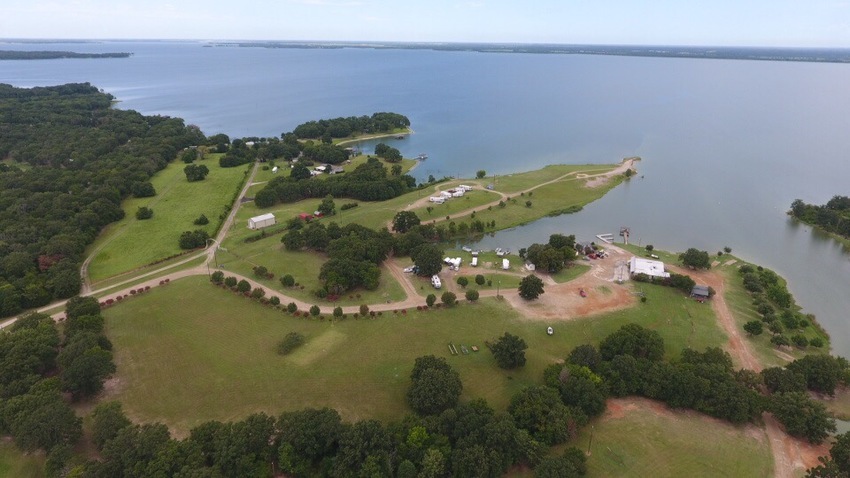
(466, 249)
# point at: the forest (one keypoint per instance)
(52, 55)
(834, 216)
(69, 159)
(353, 125)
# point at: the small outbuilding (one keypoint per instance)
(700, 292)
(259, 222)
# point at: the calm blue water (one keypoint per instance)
(727, 145)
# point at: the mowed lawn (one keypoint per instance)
(131, 243)
(16, 464)
(304, 267)
(189, 352)
(647, 439)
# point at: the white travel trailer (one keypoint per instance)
(457, 194)
(437, 199)
(474, 262)
(435, 281)
(506, 264)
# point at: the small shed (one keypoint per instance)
(259, 222)
(700, 292)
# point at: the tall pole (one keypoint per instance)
(498, 286)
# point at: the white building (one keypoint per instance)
(638, 265)
(260, 222)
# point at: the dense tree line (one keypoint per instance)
(553, 256)
(368, 182)
(83, 158)
(834, 216)
(38, 365)
(775, 304)
(345, 127)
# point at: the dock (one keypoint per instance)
(606, 238)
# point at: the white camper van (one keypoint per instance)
(506, 264)
(435, 281)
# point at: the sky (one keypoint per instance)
(793, 23)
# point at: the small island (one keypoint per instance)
(54, 55)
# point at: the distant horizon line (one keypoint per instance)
(409, 42)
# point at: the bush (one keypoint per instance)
(144, 213)
(217, 277)
(337, 311)
(260, 271)
(448, 298)
(462, 281)
(779, 340)
(816, 342)
(287, 280)
(480, 279)
(201, 220)
(193, 239)
(472, 295)
(430, 300)
(364, 309)
(274, 300)
(230, 282)
(347, 206)
(292, 341)
(258, 293)
(800, 341)
(291, 307)
(314, 310)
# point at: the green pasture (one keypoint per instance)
(516, 182)
(17, 464)
(190, 352)
(131, 243)
(644, 442)
(304, 266)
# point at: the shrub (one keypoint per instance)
(448, 298)
(816, 342)
(364, 309)
(287, 280)
(230, 282)
(430, 300)
(480, 279)
(314, 310)
(258, 292)
(337, 311)
(291, 308)
(217, 277)
(260, 271)
(462, 281)
(292, 341)
(201, 221)
(779, 340)
(800, 341)
(472, 295)
(274, 300)
(144, 213)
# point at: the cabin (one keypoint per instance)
(649, 267)
(259, 222)
(700, 292)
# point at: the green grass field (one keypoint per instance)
(212, 356)
(304, 267)
(16, 464)
(130, 243)
(643, 443)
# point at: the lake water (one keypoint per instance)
(727, 145)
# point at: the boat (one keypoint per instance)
(500, 252)
(466, 249)
(422, 157)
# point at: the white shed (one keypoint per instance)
(259, 222)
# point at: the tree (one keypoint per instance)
(293, 240)
(107, 420)
(571, 464)
(649, 247)
(430, 300)
(261, 271)
(435, 386)
(315, 311)
(404, 221)
(395, 170)
(428, 259)
(448, 299)
(838, 463)
(509, 351)
(462, 281)
(539, 410)
(306, 438)
(586, 356)
(243, 286)
(196, 172)
(327, 207)
(822, 372)
(84, 376)
(300, 172)
(230, 281)
(472, 295)
(753, 327)
(290, 342)
(634, 340)
(696, 259)
(258, 292)
(201, 221)
(802, 416)
(142, 189)
(193, 239)
(480, 279)
(530, 287)
(480, 174)
(80, 306)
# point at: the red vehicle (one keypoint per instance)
(582, 293)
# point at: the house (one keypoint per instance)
(337, 170)
(585, 248)
(649, 267)
(700, 292)
(259, 222)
